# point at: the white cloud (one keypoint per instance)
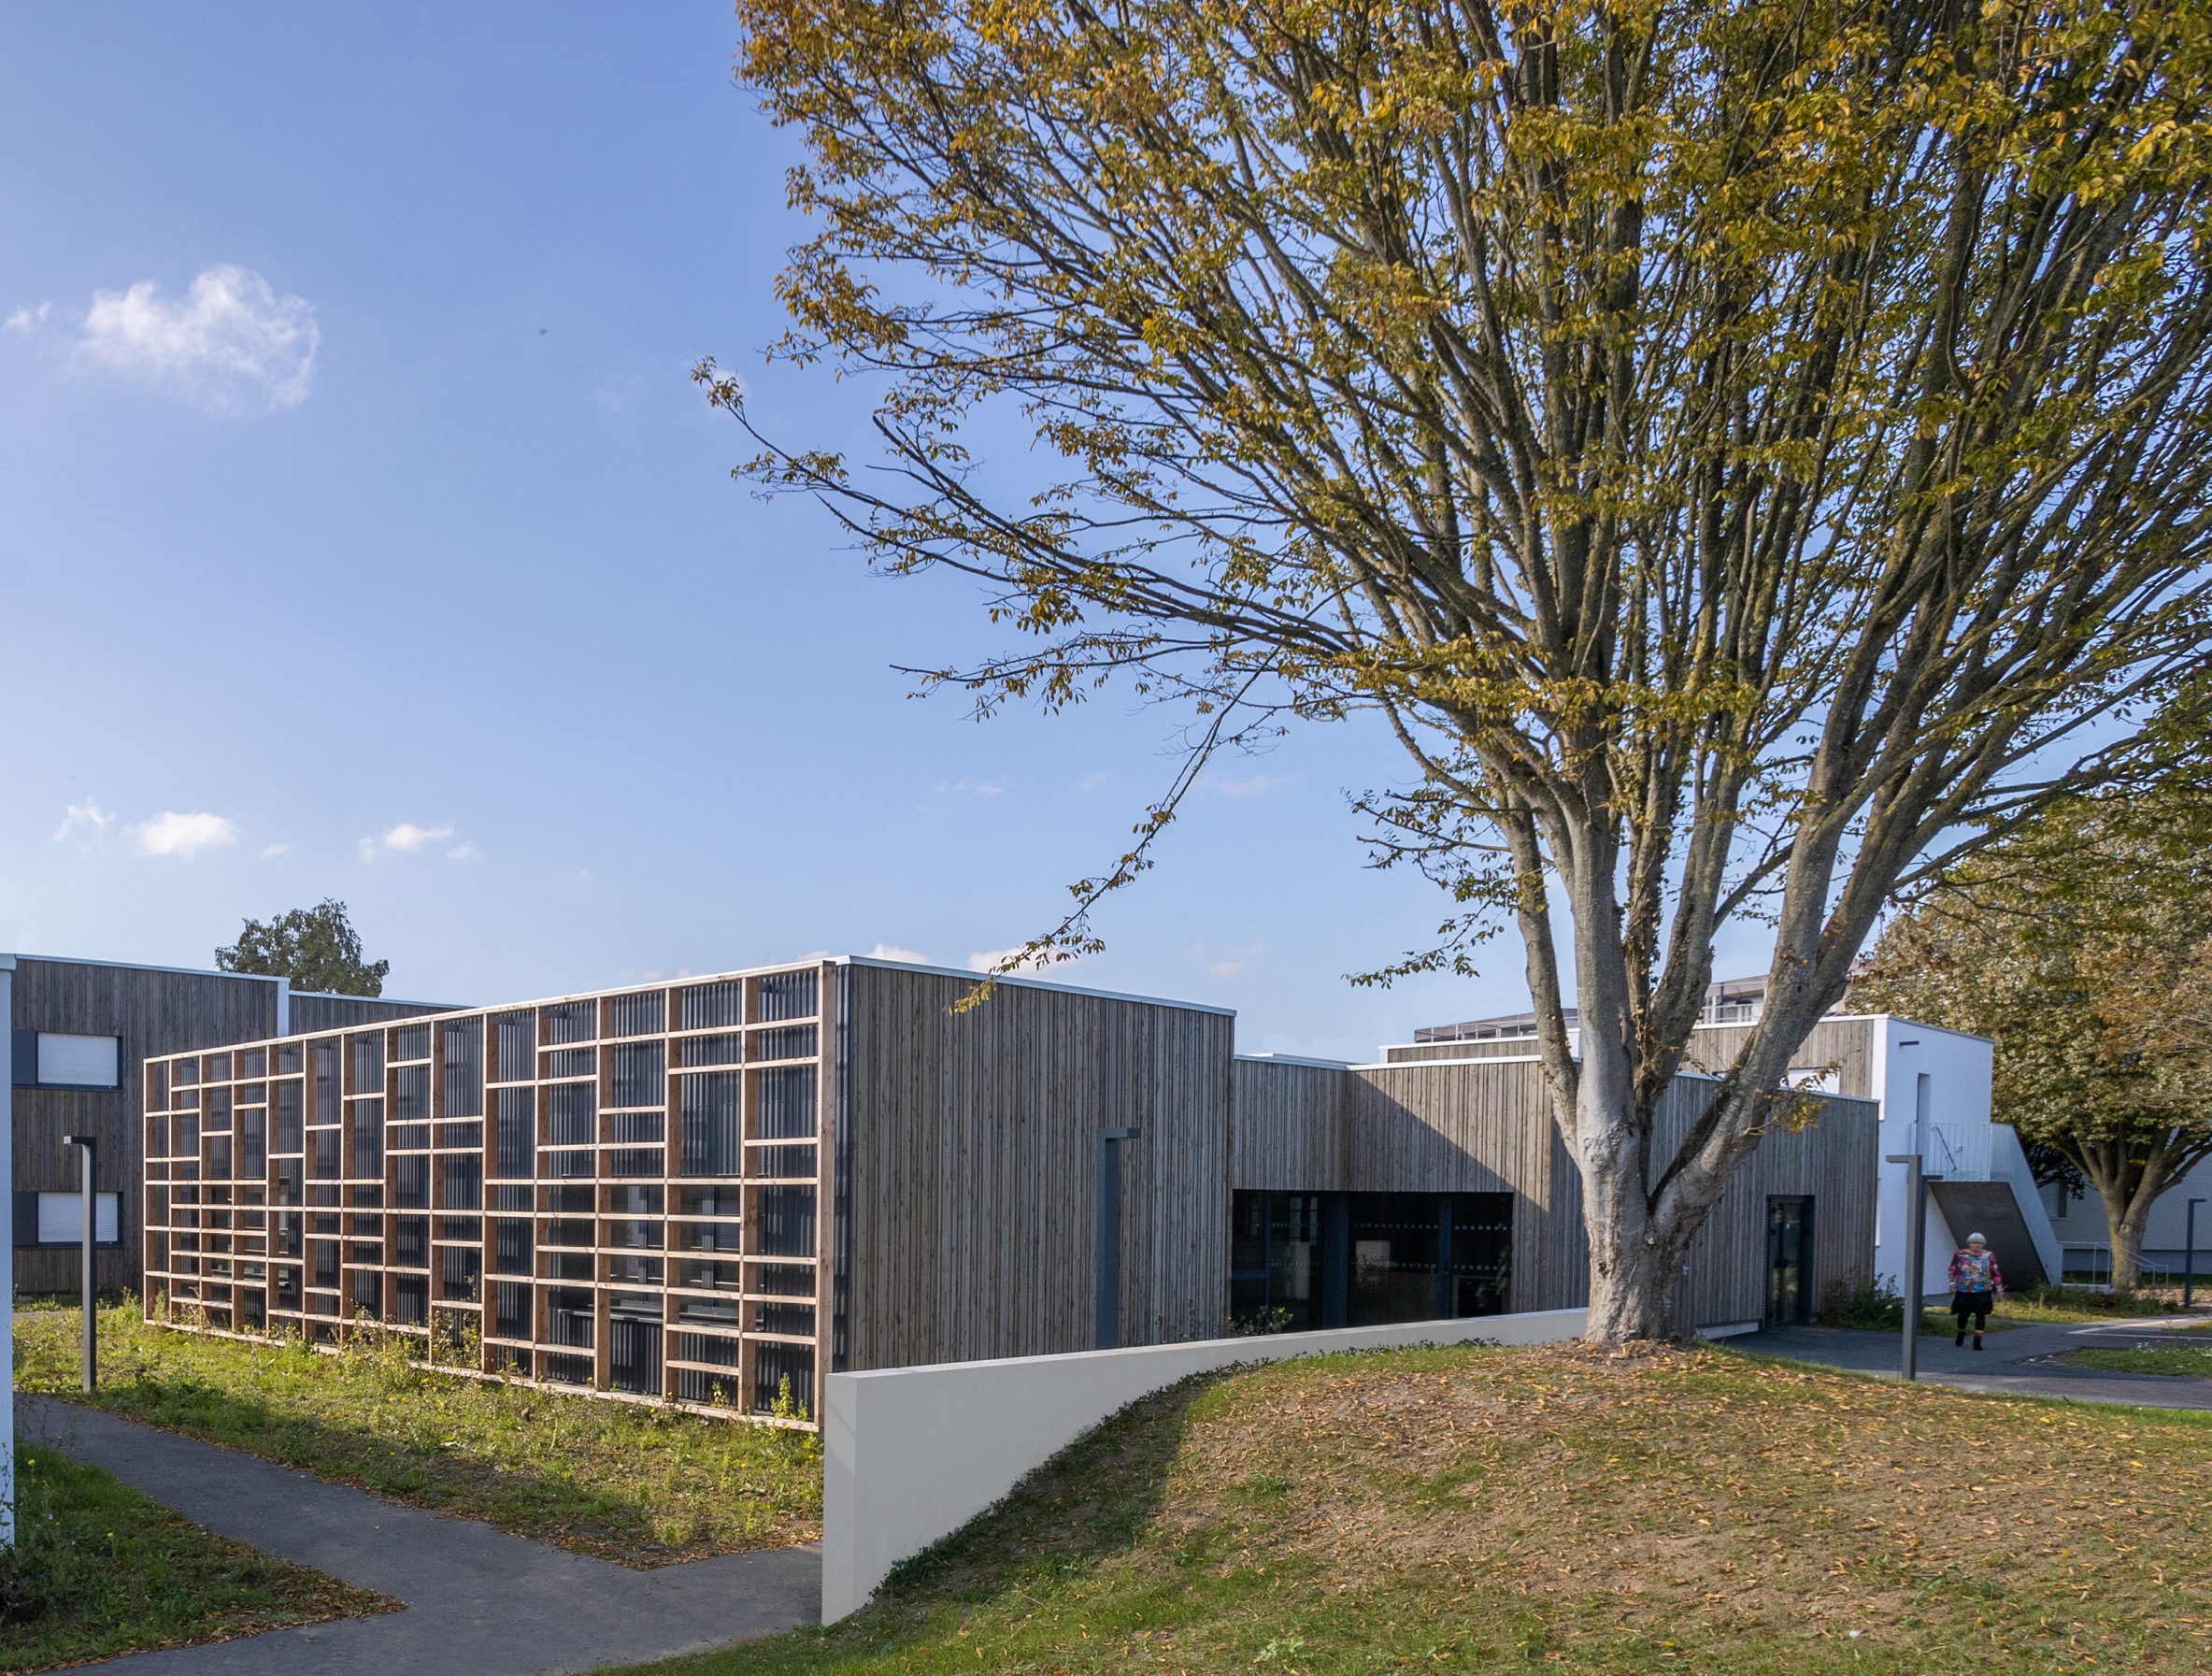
(965, 786)
(464, 851)
(83, 817)
(184, 835)
(231, 343)
(405, 839)
(1245, 788)
(1226, 969)
(1226, 964)
(25, 320)
(273, 851)
(891, 952)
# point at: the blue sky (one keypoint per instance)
(361, 534)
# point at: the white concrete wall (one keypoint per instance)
(1957, 1143)
(910, 1454)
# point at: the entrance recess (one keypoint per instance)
(1789, 1260)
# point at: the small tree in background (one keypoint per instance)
(317, 948)
(2082, 947)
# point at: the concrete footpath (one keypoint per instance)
(479, 1602)
(2016, 1363)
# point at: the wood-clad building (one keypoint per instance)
(1363, 1190)
(78, 1031)
(712, 1192)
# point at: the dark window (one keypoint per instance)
(639, 1074)
(712, 1006)
(570, 1109)
(460, 1183)
(633, 1354)
(253, 1137)
(410, 1181)
(326, 1153)
(783, 1280)
(326, 1081)
(461, 1275)
(510, 1309)
(706, 1347)
(288, 1117)
(568, 1317)
(787, 1222)
(410, 1094)
(635, 1015)
(795, 1043)
(288, 1288)
(462, 1049)
(411, 1248)
(413, 1042)
(368, 1063)
(325, 1252)
(712, 1138)
(368, 1139)
(289, 1057)
(518, 1047)
(571, 1020)
(783, 1374)
(784, 1161)
(518, 1132)
(568, 1370)
(511, 1251)
(796, 1320)
(639, 1161)
(711, 1049)
(1275, 1261)
(216, 1119)
(410, 1298)
(787, 1103)
(787, 995)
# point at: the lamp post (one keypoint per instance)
(2189, 1256)
(87, 1235)
(1106, 1286)
(1916, 1254)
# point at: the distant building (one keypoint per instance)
(1731, 1001)
(78, 1031)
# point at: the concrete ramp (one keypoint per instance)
(1989, 1208)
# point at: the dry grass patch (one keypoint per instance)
(1682, 1509)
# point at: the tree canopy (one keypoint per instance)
(1746, 453)
(317, 948)
(2082, 946)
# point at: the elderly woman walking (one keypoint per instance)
(1976, 1283)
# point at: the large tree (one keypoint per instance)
(317, 948)
(2082, 947)
(1746, 452)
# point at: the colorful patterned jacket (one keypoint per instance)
(1970, 1273)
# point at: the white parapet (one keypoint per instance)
(910, 1454)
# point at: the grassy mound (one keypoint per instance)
(98, 1569)
(639, 1486)
(1689, 1510)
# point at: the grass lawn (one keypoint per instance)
(1693, 1509)
(639, 1486)
(2084, 1303)
(99, 1569)
(2159, 1358)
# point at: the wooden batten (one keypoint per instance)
(973, 1149)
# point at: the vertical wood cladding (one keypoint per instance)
(973, 1141)
(1287, 1127)
(313, 1012)
(1484, 1124)
(1832, 1160)
(154, 1012)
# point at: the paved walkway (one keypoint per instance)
(2016, 1362)
(479, 1602)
